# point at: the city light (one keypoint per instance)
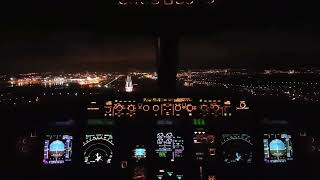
(293, 84)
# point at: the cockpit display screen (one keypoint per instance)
(277, 148)
(237, 148)
(204, 143)
(98, 149)
(57, 149)
(140, 153)
(169, 145)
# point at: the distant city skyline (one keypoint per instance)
(179, 70)
(294, 84)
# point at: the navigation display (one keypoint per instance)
(98, 149)
(237, 148)
(277, 148)
(57, 149)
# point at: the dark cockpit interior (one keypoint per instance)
(159, 89)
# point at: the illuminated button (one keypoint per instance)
(179, 177)
(118, 107)
(108, 109)
(167, 2)
(155, 2)
(179, 2)
(33, 134)
(123, 2)
(178, 107)
(303, 133)
(212, 151)
(160, 177)
(170, 174)
(131, 107)
(155, 108)
(216, 108)
(204, 107)
(146, 108)
(243, 104)
(189, 108)
(124, 164)
(190, 2)
(24, 149)
(227, 103)
(24, 141)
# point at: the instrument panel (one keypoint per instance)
(168, 107)
(163, 138)
(165, 3)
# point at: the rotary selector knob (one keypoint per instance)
(118, 107)
(131, 107)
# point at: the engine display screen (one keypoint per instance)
(57, 149)
(169, 146)
(277, 148)
(98, 149)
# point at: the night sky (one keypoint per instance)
(77, 51)
(253, 49)
(39, 42)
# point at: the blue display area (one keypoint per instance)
(140, 152)
(57, 149)
(277, 148)
(57, 146)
